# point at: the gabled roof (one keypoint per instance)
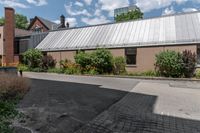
(48, 24)
(165, 30)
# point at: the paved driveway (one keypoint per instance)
(66, 104)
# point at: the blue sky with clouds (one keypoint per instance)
(90, 12)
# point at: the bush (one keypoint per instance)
(12, 87)
(55, 70)
(146, 73)
(83, 59)
(197, 73)
(119, 64)
(32, 58)
(37, 69)
(22, 67)
(7, 114)
(189, 60)
(102, 60)
(69, 67)
(169, 64)
(48, 62)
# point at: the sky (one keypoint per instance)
(91, 12)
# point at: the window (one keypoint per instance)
(198, 55)
(131, 54)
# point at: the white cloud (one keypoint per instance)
(13, 3)
(169, 11)
(148, 5)
(72, 12)
(37, 2)
(110, 5)
(96, 20)
(189, 9)
(88, 2)
(78, 4)
(97, 12)
(72, 21)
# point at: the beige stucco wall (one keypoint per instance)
(145, 55)
(1, 40)
(62, 55)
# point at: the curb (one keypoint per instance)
(131, 77)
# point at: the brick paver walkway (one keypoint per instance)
(133, 114)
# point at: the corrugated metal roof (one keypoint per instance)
(167, 30)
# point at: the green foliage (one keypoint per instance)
(83, 59)
(37, 69)
(12, 89)
(197, 73)
(22, 67)
(7, 114)
(99, 61)
(102, 60)
(21, 21)
(72, 70)
(146, 74)
(2, 21)
(131, 15)
(169, 64)
(55, 70)
(119, 64)
(48, 62)
(189, 60)
(32, 58)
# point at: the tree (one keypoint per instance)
(21, 21)
(2, 21)
(131, 15)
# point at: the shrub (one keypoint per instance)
(102, 60)
(32, 58)
(197, 73)
(169, 64)
(55, 70)
(119, 64)
(22, 67)
(37, 69)
(48, 62)
(83, 59)
(150, 73)
(70, 67)
(189, 60)
(146, 73)
(12, 87)
(7, 114)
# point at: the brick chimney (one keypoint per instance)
(9, 34)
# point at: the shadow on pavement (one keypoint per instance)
(62, 107)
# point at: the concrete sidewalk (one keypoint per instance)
(151, 108)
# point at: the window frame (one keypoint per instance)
(132, 56)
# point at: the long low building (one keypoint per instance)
(138, 41)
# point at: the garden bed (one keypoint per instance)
(12, 89)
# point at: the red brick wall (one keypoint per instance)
(38, 23)
(9, 34)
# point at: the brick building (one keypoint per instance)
(39, 24)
